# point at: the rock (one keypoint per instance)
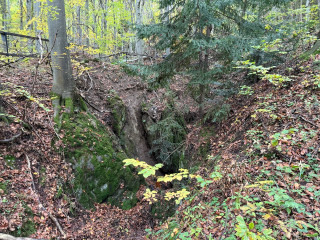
(97, 156)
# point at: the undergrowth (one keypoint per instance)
(274, 191)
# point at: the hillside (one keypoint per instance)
(265, 156)
(267, 152)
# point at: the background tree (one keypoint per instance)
(4, 13)
(206, 38)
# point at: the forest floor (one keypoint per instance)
(269, 135)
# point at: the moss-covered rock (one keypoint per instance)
(118, 111)
(97, 157)
(122, 124)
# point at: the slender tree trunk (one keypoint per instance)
(115, 35)
(87, 21)
(139, 42)
(29, 14)
(308, 10)
(167, 20)
(131, 40)
(29, 23)
(79, 29)
(63, 83)
(104, 23)
(4, 14)
(94, 26)
(21, 13)
(204, 67)
(8, 15)
(37, 10)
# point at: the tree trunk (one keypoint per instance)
(87, 41)
(4, 14)
(29, 13)
(29, 22)
(204, 67)
(139, 42)
(79, 29)
(168, 20)
(63, 83)
(21, 13)
(37, 10)
(8, 15)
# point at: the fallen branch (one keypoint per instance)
(90, 82)
(11, 139)
(9, 237)
(9, 63)
(40, 204)
(306, 120)
(89, 102)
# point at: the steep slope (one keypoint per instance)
(268, 153)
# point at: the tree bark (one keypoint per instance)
(79, 29)
(21, 13)
(4, 14)
(37, 10)
(204, 67)
(139, 42)
(87, 21)
(63, 83)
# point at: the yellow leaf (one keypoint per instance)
(252, 207)
(252, 186)
(266, 182)
(244, 208)
(266, 217)
(300, 223)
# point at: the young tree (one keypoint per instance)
(204, 33)
(63, 83)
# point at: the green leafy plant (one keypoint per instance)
(148, 170)
(18, 91)
(244, 232)
(283, 135)
(276, 79)
(246, 90)
(283, 200)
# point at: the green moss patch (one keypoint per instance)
(28, 227)
(10, 161)
(97, 158)
(118, 111)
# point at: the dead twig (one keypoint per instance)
(89, 103)
(306, 120)
(11, 139)
(40, 204)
